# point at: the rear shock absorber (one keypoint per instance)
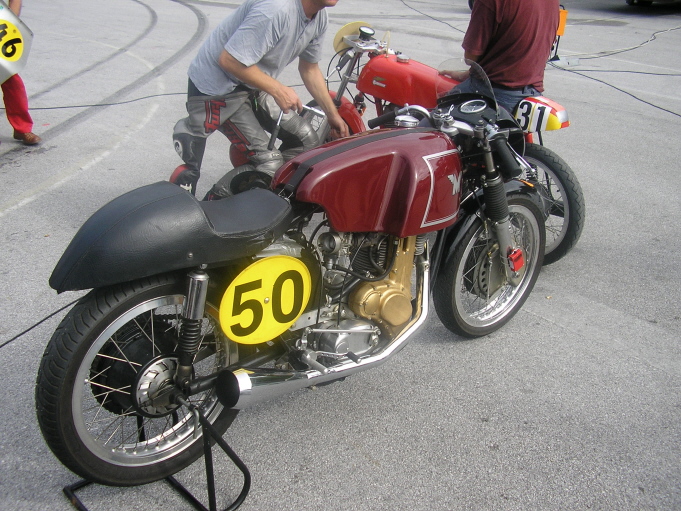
(190, 330)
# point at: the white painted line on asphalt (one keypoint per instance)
(67, 174)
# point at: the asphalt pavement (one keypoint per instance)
(575, 404)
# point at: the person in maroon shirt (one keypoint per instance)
(511, 40)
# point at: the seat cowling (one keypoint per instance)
(160, 228)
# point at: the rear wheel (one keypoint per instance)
(563, 199)
(473, 295)
(111, 354)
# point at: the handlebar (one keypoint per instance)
(382, 119)
(390, 116)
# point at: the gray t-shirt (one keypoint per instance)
(269, 33)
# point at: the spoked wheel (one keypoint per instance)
(101, 375)
(561, 192)
(473, 296)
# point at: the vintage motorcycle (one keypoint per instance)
(391, 80)
(209, 306)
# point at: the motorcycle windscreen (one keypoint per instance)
(15, 43)
(402, 182)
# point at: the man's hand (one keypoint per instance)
(316, 85)
(338, 127)
(459, 76)
(287, 99)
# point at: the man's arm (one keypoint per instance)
(316, 85)
(286, 97)
(15, 7)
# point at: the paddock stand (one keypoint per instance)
(208, 433)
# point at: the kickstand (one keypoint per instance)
(208, 433)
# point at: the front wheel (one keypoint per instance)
(563, 199)
(473, 296)
(111, 354)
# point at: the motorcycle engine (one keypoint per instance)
(371, 274)
(357, 336)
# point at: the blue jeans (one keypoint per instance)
(509, 99)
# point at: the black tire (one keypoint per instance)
(639, 2)
(89, 416)
(564, 210)
(472, 294)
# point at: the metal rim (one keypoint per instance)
(129, 438)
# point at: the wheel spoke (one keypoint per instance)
(484, 295)
(110, 367)
(117, 359)
(124, 369)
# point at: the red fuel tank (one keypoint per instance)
(398, 181)
(412, 82)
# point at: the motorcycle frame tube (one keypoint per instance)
(251, 386)
(345, 80)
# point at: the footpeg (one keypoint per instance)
(310, 358)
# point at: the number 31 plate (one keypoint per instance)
(265, 299)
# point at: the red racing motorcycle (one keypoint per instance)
(197, 309)
(391, 80)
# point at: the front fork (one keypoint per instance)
(498, 213)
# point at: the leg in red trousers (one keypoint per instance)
(16, 107)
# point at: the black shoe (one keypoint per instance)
(185, 177)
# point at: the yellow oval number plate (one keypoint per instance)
(265, 299)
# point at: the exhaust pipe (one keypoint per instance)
(244, 387)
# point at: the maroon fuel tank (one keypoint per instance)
(398, 181)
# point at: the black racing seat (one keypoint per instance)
(161, 227)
